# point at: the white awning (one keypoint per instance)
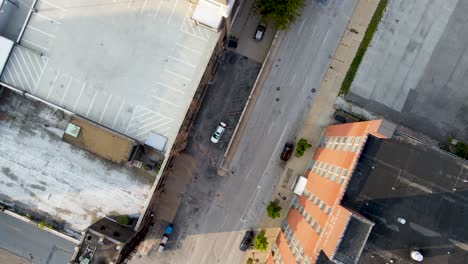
(300, 185)
(6, 46)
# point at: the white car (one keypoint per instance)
(218, 132)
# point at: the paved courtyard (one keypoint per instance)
(415, 70)
(130, 65)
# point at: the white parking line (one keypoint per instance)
(33, 66)
(164, 129)
(17, 75)
(53, 5)
(159, 7)
(66, 90)
(27, 67)
(42, 74)
(144, 5)
(53, 84)
(79, 96)
(149, 129)
(21, 68)
(144, 120)
(105, 108)
(165, 101)
(188, 48)
(292, 80)
(305, 85)
(118, 113)
(47, 18)
(176, 74)
(145, 125)
(183, 62)
(92, 103)
(34, 44)
(171, 88)
(172, 12)
(300, 29)
(43, 32)
(129, 3)
(7, 71)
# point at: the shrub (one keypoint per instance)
(301, 147)
(123, 219)
(260, 241)
(274, 209)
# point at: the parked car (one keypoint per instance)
(247, 240)
(287, 151)
(260, 32)
(218, 132)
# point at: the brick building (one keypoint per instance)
(317, 228)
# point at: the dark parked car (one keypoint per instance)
(287, 150)
(247, 240)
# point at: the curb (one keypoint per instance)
(29, 221)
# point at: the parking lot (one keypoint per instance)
(130, 65)
(415, 70)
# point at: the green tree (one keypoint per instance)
(274, 209)
(260, 241)
(281, 12)
(301, 147)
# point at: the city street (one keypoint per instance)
(215, 211)
(32, 243)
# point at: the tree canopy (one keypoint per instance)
(260, 241)
(274, 209)
(281, 12)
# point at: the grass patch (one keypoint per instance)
(373, 25)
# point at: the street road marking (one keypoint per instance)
(305, 84)
(178, 75)
(47, 18)
(34, 44)
(43, 32)
(259, 186)
(105, 108)
(172, 12)
(66, 90)
(53, 85)
(181, 61)
(15, 228)
(92, 103)
(165, 101)
(271, 126)
(118, 113)
(292, 80)
(182, 46)
(300, 29)
(58, 7)
(79, 96)
(144, 5)
(171, 88)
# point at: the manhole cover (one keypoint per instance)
(313, 90)
(277, 99)
(278, 88)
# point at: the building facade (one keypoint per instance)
(317, 228)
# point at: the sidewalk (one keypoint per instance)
(319, 117)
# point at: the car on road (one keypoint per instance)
(260, 32)
(247, 240)
(218, 132)
(287, 151)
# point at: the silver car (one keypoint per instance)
(218, 132)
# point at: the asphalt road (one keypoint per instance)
(215, 211)
(28, 241)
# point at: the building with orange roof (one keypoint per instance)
(317, 228)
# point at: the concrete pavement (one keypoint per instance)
(32, 243)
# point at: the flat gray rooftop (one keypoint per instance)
(130, 65)
(416, 70)
(43, 175)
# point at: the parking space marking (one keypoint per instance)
(34, 44)
(66, 91)
(172, 12)
(26, 66)
(41, 31)
(143, 6)
(144, 120)
(187, 24)
(188, 48)
(159, 7)
(24, 75)
(305, 84)
(11, 78)
(79, 96)
(171, 88)
(16, 72)
(53, 85)
(92, 103)
(181, 61)
(148, 124)
(129, 3)
(36, 72)
(176, 74)
(118, 113)
(164, 101)
(53, 5)
(105, 108)
(47, 18)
